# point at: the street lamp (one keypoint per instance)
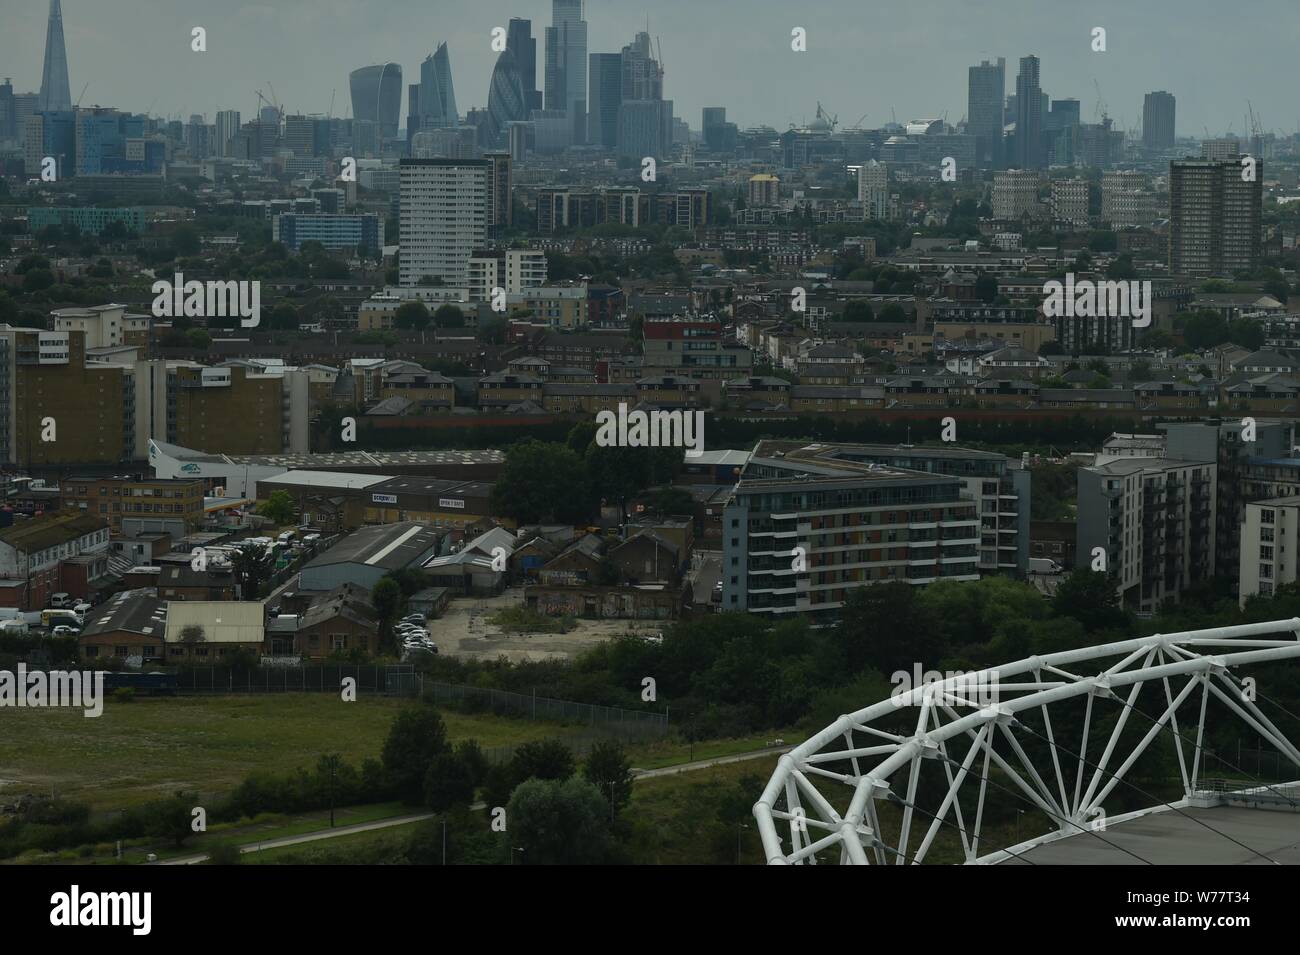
(513, 850)
(332, 762)
(739, 832)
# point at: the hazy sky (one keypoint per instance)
(864, 56)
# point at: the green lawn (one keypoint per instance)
(150, 748)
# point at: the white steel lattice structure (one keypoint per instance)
(825, 794)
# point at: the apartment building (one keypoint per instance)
(1015, 195)
(694, 346)
(514, 270)
(55, 407)
(104, 326)
(1154, 521)
(805, 525)
(443, 218)
(1270, 543)
(998, 484)
(1214, 216)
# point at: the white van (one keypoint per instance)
(53, 618)
(14, 628)
(61, 600)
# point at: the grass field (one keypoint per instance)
(148, 749)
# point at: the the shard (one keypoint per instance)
(55, 94)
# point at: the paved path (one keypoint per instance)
(419, 817)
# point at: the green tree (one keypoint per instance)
(415, 740)
(558, 822)
(986, 287)
(542, 482)
(252, 564)
(1090, 598)
(388, 600)
(449, 783)
(173, 818)
(449, 316)
(412, 315)
(278, 507)
(607, 768)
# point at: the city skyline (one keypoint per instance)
(256, 42)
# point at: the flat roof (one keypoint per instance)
(329, 479)
(1222, 835)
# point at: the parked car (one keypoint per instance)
(64, 630)
(415, 618)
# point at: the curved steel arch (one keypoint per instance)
(796, 820)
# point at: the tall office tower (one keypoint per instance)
(196, 137)
(52, 133)
(643, 77)
(520, 42)
(25, 105)
(605, 88)
(986, 88)
(443, 217)
(1063, 114)
(412, 110)
(377, 96)
(7, 130)
(566, 57)
(227, 129)
(645, 128)
(1158, 120)
(719, 135)
(500, 206)
(507, 99)
(55, 94)
(1029, 115)
(1214, 216)
(437, 95)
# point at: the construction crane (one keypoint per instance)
(330, 114)
(1099, 111)
(83, 93)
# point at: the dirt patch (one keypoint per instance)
(463, 631)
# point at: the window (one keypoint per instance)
(1266, 515)
(1265, 571)
(121, 651)
(1266, 534)
(90, 652)
(338, 641)
(1265, 552)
